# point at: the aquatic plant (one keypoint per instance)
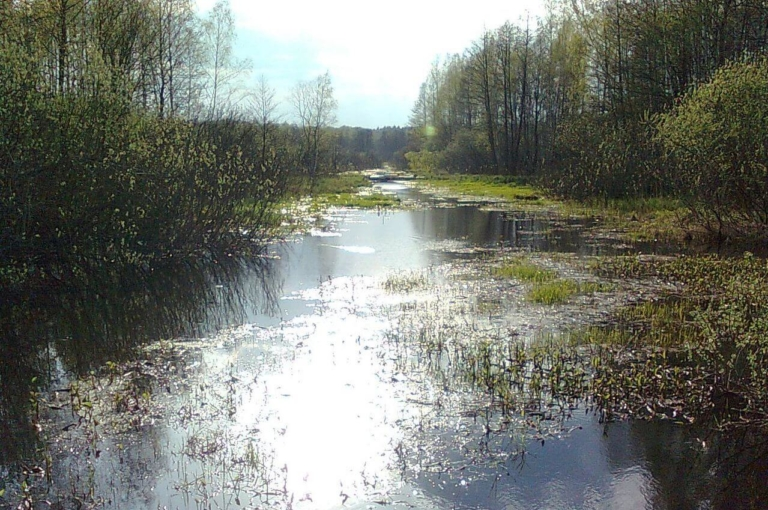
(404, 282)
(701, 354)
(561, 290)
(524, 270)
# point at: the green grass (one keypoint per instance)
(547, 287)
(339, 184)
(348, 189)
(524, 271)
(363, 201)
(641, 219)
(561, 290)
(502, 187)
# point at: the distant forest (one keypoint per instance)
(363, 148)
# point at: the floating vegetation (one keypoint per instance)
(108, 418)
(698, 355)
(532, 382)
(561, 290)
(547, 288)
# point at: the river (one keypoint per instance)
(310, 379)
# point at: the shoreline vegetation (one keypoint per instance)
(632, 219)
(695, 352)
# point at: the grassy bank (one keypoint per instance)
(348, 189)
(638, 219)
(633, 219)
(497, 187)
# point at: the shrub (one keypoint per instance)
(716, 135)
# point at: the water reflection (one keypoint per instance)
(293, 398)
(47, 339)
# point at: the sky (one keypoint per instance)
(377, 52)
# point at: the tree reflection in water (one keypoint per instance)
(50, 338)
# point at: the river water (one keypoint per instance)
(303, 381)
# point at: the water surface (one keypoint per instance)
(291, 383)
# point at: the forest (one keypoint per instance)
(613, 99)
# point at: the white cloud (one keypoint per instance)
(379, 49)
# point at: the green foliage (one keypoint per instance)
(97, 181)
(425, 162)
(595, 158)
(88, 176)
(716, 136)
(467, 152)
(340, 183)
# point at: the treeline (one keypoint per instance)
(362, 148)
(119, 140)
(596, 99)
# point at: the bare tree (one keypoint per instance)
(315, 109)
(263, 106)
(223, 68)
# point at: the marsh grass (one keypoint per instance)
(348, 189)
(698, 354)
(639, 219)
(346, 182)
(504, 188)
(358, 200)
(406, 282)
(561, 290)
(94, 433)
(547, 288)
(525, 271)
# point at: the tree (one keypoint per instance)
(483, 67)
(223, 68)
(263, 106)
(315, 109)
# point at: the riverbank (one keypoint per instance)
(635, 219)
(693, 353)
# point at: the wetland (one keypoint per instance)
(448, 353)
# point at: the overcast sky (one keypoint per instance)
(378, 52)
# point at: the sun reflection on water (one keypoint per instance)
(330, 414)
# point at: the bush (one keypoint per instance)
(425, 162)
(88, 179)
(597, 158)
(716, 136)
